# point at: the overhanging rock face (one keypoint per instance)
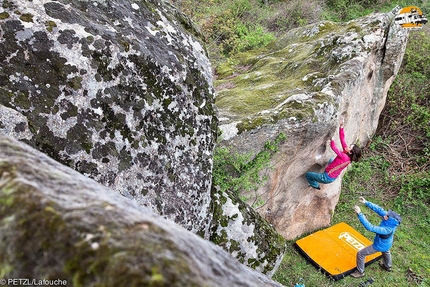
(117, 90)
(301, 86)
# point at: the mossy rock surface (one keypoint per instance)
(122, 93)
(261, 87)
(57, 224)
(302, 85)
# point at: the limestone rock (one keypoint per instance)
(59, 224)
(301, 86)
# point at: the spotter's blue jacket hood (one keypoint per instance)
(385, 231)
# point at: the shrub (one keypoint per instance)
(228, 28)
(251, 38)
(406, 116)
(414, 191)
(290, 14)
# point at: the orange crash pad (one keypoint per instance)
(334, 249)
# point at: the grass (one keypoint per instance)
(394, 173)
(396, 176)
(411, 265)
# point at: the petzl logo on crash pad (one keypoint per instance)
(351, 240)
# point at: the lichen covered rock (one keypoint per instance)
(58, 224)
(117, 90)
(241, 231)
(122, 93)
(301, 85)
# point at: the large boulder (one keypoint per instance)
(117, 90)
(121, 91)
(301, 86)
(57, 224)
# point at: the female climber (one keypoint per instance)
(335, 167)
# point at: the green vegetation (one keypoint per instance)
(236, 171)
(395, 169)
(232, 26)
(373, 178)
(395, 174)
